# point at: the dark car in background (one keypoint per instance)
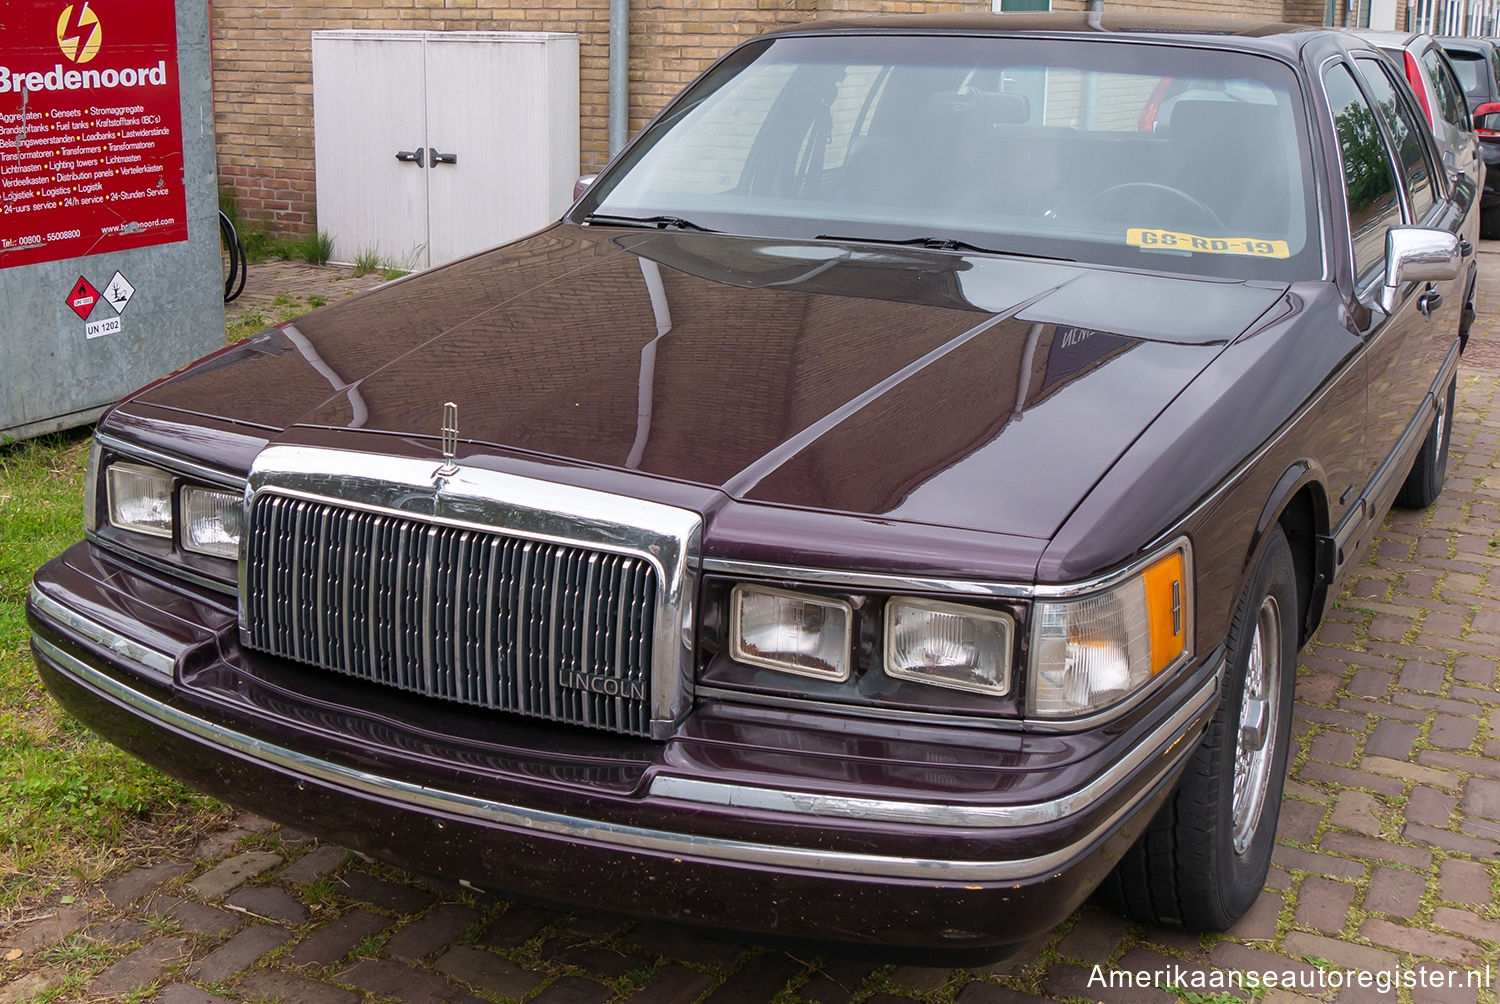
(885, 508)
(1476, 62)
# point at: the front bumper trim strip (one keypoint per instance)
(125, 648)
(628, 838)
(937, 814)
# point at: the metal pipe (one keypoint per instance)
(619, 74)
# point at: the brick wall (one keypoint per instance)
(263, 66)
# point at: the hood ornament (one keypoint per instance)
(450, 441)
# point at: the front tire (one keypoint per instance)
(1203, 859)
(1424, 483)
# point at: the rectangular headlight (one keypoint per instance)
(140, 499)
(212, 521)
(948, 645)
(791, 632)
(1094, 651)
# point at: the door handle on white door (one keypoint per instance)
(442, 158)
(417, 156)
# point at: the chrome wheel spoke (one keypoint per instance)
(1255, 738)
(1253, 724)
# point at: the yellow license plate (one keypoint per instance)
(1174, 240)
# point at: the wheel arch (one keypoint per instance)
(1299, 505)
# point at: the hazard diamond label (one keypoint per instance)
(118, 292)
(83, 297)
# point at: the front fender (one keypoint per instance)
(1299, 504)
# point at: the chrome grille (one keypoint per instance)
(553, 630)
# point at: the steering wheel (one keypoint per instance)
(1158, 187)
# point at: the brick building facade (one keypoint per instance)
(263, 65)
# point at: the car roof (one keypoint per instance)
(1460, 42)
(1387, 39)
(1269, 34)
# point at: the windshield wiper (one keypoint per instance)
(660, 222)
(936, 244)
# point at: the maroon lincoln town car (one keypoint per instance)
(883, 510)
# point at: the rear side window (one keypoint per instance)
(1472, 77)
(1411, 152)
(1450, 97)
(1370, 184)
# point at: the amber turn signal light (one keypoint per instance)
(1165, 590)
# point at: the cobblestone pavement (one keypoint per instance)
(1387, 854)
(272, 286)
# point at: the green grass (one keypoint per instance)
(244, 326)
(287, 307)
(316, 247)
(67, 799)
(367, 262)
(262, 245)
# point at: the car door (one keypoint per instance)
(1408, 346)
(1373, 204)
(1494, 70)
(1450, 113)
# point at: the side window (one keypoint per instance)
(1369, 182)
(1411, 152)
(1460, 102)
(1450, 97)
(1469, 66)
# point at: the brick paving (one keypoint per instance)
(1386, 856)
(274, 288)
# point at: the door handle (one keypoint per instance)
(1430, 300)
(442, 158)
(417, 156)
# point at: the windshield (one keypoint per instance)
(1152, 156)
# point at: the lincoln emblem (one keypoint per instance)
(450, 440)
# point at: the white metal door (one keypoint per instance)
(488, 113)
(369, 98)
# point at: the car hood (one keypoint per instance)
(906, 384)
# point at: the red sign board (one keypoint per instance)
(90, 129)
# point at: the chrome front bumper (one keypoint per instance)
(130, 691)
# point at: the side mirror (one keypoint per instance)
(1417, 254)
(582, 185)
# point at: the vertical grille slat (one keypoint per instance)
(552, 630)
